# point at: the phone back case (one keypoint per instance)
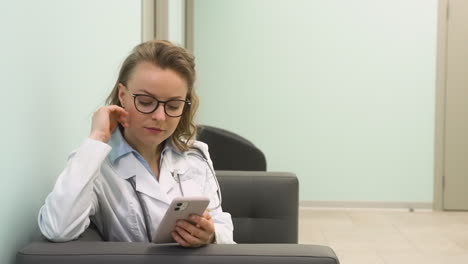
(180, 208)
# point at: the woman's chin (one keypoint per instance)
(154, 140)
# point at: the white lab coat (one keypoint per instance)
(93, 186)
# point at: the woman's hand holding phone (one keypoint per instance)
(105, 120)
(196, 232)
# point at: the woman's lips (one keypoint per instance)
(154, 130)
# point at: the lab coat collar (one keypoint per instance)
(129, 167)
(170, 146)
(124, 161)
(119, 146)
(122, 157)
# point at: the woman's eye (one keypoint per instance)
(145, 102)
(174, 106)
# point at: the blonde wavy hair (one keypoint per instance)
(165, 55)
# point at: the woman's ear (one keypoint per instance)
(121, 94)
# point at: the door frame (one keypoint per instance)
(441, 89)
(155, 19)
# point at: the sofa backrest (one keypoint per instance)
(264, 205)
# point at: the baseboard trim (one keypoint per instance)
(365, 204)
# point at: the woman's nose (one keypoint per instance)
(159, 113)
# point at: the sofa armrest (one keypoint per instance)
(79, 252)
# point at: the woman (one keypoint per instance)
(139, 149)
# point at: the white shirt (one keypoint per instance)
(95, 185)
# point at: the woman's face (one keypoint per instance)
(149, 130)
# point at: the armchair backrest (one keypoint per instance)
(230, 151)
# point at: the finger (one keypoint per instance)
(196, 218)
(123, 120)
(116, 108)
(194, 241)
(193, 230)
(117, 111)
(203, 223)
(118, 114)
(207, 214)
(180, 240)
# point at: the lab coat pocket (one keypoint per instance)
(191, 188)
(191, 180)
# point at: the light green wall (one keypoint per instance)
(59, 59)
(339, 92)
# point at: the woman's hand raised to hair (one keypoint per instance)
(105, 120)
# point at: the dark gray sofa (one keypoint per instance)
(264, 207)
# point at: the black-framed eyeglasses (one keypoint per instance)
(147, 104)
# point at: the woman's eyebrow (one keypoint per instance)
(170, 98)
(146, 92)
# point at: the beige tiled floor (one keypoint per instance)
(371, 236)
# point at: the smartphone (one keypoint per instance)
(180, 208)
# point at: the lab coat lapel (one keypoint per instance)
(129, 166)
(166, 181)
(147, 184)
(166, 173)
